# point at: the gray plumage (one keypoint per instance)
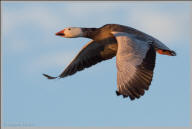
(132, 76)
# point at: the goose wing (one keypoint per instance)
(92, 53)
(135, 61)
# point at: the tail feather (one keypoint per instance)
(49, 77)
(173, 53)
(166, 52)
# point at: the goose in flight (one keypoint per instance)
(135, 54)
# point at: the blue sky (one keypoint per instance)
(30, 48)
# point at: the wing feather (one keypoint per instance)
(92, 53)
(135, 62)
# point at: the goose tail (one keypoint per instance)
(173, 53)
(166, 52)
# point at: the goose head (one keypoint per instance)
(71, 32)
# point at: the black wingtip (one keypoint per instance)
(49, 77)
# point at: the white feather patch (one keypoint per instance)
(130, 54)
(73, 32)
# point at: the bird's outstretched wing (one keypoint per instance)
(92, 53)
(135, 62)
